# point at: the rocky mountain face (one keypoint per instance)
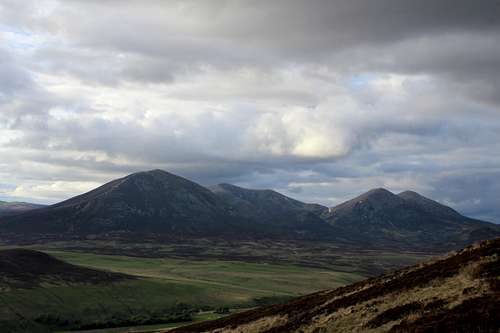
(11, 208)
(162, 204)
(458, 293)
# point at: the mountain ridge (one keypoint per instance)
(162, 204)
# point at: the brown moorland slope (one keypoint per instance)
(458, 293)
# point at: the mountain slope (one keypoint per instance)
(273, 209)
(154, 201)
(430, 206)
(459, 293)
(262, 202)
(10, 208)
(159, 203)
(408, 220)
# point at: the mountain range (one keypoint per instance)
(160, 204)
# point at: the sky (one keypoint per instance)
(320, 100)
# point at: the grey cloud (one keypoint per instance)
(428, 36)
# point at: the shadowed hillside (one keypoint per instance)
(459, 293)
(21, 268)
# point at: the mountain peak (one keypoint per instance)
(154, 172)
(377, 194)
(377, 198)
(379, 191)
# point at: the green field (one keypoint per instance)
(165, 290)
(248, 280)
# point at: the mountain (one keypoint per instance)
(271, 208)
(10, 208)
(406, 220)
(23, 268)
(146, 202)
(158, 204)
(459, 293)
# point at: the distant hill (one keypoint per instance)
(159, 204)
(144, 202)
(10, 208)
(23, 268)
(407, 220)
(458, 293)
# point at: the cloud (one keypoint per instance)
(319, 99)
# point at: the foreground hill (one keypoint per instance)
(159, 205)
(458, 293)
(10, 208)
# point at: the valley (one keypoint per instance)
(249, 166)
(154, 290)
(155, 250)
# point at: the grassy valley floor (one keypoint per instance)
(162, 291)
